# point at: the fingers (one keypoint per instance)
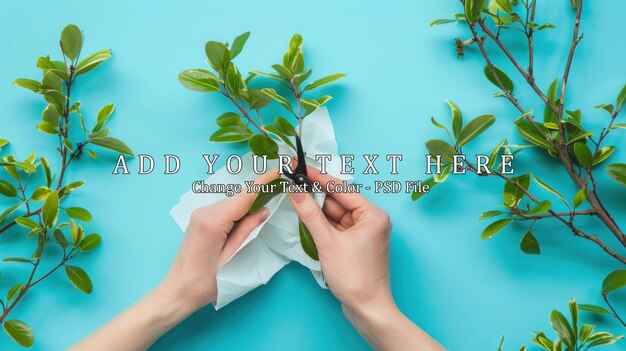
(337, 213)
(311, 215)
(350, 201)
(237, 206)
(241, 232)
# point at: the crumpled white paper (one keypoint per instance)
(276, 242)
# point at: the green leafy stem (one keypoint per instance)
(561, 135)
(42, 223)
(226, 79)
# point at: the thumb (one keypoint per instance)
(311, 215)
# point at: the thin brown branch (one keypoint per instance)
(615, 314)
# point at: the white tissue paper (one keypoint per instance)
(276, 242)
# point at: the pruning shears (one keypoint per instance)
(299, 175)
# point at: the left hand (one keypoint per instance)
(214, 234)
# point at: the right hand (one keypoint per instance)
(352, 239)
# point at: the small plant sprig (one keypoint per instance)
(561, 135)
(49, 222)
(570, 336)
(246, 122)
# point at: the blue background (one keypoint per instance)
(466, 292)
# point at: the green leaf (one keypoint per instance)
(580, 197)
(580, 136)
(253, 74)
(473, 10)
(585, 329)
(505, 6)
(301, 77)
(60, 238)
(550, 190)
(490, 214)
(607, 107)
(78, 213)
(231, 133)
(416, 195)
(532, 135)
(29, 84)
(218, 55)
(573, 308)
(261, 144)
(602, 154)
(17, 259)
(512, 194)
(228, 119)
(70, 187)
(89, 243)
(14, 291)
(26, 222)
(48, 128)
(545, 26)
(275, 188)
(592, 309)
(529, 244)
(92, 61)
(614, 281)
(445, 173)
(52, 81)
(323, 81)
(55, 97)
(20, 332)
(258, 99)
(542, 207)
(71, 41)
(9, 211)
(504, 79)
(621, 98)
(617, 171)
(440, 21)
(50, 209)
(604, 341)
(46, 169)
(79, 278)
(112, 144)
(283, 71)
(274, 95)
(40, 193)
(563, 329)
(103, 116)
(284, 126)
(7, 189)
(494, 228)
(439, 147)
(457, 118)
(306, 240)
(199, 80)
(583, 154)
(238, 44)
(474, 128)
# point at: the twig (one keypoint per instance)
(615, 314)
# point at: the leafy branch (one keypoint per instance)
(560, 135)
(42, 222)
(571, 336)
(294, 97)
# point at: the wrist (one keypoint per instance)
(172, 305)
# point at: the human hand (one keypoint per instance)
(352, 239)
(213, 235)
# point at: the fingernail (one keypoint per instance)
(264, 214)
(297, 197)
